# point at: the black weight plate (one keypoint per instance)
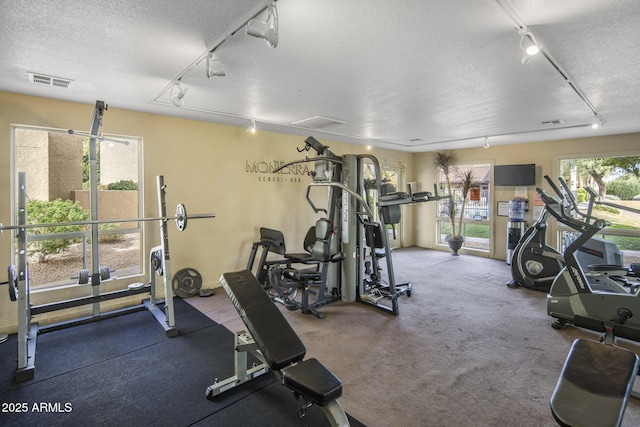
(13, 282)
(187, 282)
(206, 292)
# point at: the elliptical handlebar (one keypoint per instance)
(570, 200)
(568, 194)
(574, 204)
(554, 187)
(555, 208)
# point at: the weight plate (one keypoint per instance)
(181, 217)
(105, 273)
(187, 282)
(206, 292)
(156, 262)
(13, 282)
(83, 277)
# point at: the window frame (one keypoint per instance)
(135, 228)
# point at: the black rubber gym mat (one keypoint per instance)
(125, 371)
(65, 350)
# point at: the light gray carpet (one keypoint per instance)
(465, 350)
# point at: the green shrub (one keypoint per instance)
(124, 184)
(583, 196)
(625, 189)
(43, 212)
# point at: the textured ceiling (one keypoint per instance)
(412, 75)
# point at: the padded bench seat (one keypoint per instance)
(594, 386)
(301, 275)
(277, 341)
(311, 379)
(279, 344)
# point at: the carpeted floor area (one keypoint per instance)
(125, 371)
(465, 350)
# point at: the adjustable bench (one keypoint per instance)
(597, 378)
(272, 341)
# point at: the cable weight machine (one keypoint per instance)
(360, 225)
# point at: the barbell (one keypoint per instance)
(180, 217)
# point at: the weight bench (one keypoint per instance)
(273, 342)
(596, 380)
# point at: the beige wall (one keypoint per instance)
(545, 155)
(204, 166)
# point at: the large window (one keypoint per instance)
(56, 165)
(616, 181)
(475, 222)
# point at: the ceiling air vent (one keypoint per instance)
(553, 122)
(317, 122)
(43, 79)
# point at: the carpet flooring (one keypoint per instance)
(466, 350)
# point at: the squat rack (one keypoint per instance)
(19, 288)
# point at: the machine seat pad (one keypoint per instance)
(300, 258)
(312, 380)
(594, 385)
(277, 341)
(301, 275)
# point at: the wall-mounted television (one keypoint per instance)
(514, 175)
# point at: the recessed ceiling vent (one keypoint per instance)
(318, 122)
(553, 122)
(43, 79)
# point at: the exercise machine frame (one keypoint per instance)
(535, 265)
(571, 294)
(28, 331)
(347, 209)
(20, 288)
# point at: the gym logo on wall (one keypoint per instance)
(265, 171)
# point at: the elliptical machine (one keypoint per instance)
(535, 265)
(571, 295)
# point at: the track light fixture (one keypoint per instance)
(177, 99)
(529, 46)
(267, 30)
(215, 68)
(486, 142)
(252, 129)
(598, 123)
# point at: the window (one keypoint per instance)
(616, 180)
(56, 165)
(475, 223)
